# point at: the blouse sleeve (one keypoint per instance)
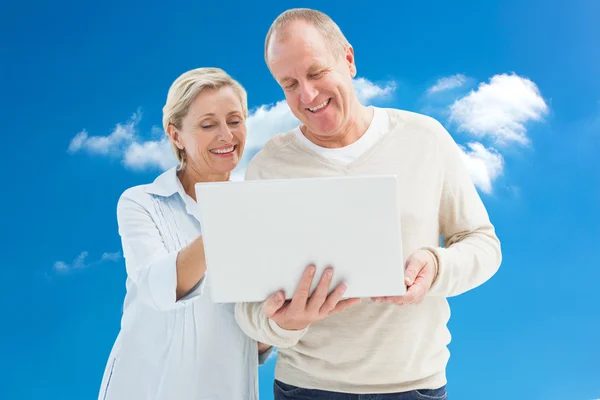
(149, 265)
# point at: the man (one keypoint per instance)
(395, 347)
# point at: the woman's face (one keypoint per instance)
(213, 133)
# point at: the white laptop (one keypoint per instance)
(260, 235)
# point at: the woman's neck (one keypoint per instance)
(189, 176)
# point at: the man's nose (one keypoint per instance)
(307, 93)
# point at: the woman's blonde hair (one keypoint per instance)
(186, 88)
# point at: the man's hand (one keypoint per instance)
(303, 310)
(419, 274)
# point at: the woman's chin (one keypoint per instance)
(226, 167)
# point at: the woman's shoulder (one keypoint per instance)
(161, 189)
(135, 194)
(141, 199)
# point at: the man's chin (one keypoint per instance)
(324, 133)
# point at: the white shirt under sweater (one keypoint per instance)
(377, 128)
(374, 347)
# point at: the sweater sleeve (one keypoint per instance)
(471, 253)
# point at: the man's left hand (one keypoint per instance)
(419, 274)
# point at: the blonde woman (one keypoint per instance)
(174, 343)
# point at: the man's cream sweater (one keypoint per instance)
(374, 347)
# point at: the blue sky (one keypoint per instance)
(83, 86)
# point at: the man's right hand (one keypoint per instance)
(302, 310)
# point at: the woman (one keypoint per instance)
(174, 342)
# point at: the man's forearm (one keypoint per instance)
(471, 253)
(465, 264)
(255, 324)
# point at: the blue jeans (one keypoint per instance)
(283, 391)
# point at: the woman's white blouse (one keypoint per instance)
(167, 349)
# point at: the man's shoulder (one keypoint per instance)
(418, 128)
(405, 119)
(273, 147)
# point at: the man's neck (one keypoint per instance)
(361, 117)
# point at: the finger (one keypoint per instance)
(333, 299)
(383, 299)
(413, 267)
(320, 294)
(386, 299)
(302, 292)
(273, 304)
(344, 305)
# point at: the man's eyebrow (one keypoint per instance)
(316, 68)
(286, 79)
(311, 70)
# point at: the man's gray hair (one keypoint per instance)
(321, 21)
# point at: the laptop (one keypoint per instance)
(260, 235)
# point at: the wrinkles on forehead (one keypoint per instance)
(299, 33)
(298, 54)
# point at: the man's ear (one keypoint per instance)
(173, 134)
(349, 57)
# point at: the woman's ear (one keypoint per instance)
(173, 134)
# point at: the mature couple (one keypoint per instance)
(176, 344)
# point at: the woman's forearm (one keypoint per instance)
(191, 266)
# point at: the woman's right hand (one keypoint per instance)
(302, 310)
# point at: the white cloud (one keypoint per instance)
(500, 109)
(367, 90)
(122, 135)
(150, 154)
(484, 165)
(111, 256)
(61, 266)
(266, 121)
(448, 83)
(263, 123)
(81, 262)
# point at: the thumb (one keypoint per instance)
(273, 304)
(413, 266)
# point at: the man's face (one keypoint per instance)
(317, 84)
